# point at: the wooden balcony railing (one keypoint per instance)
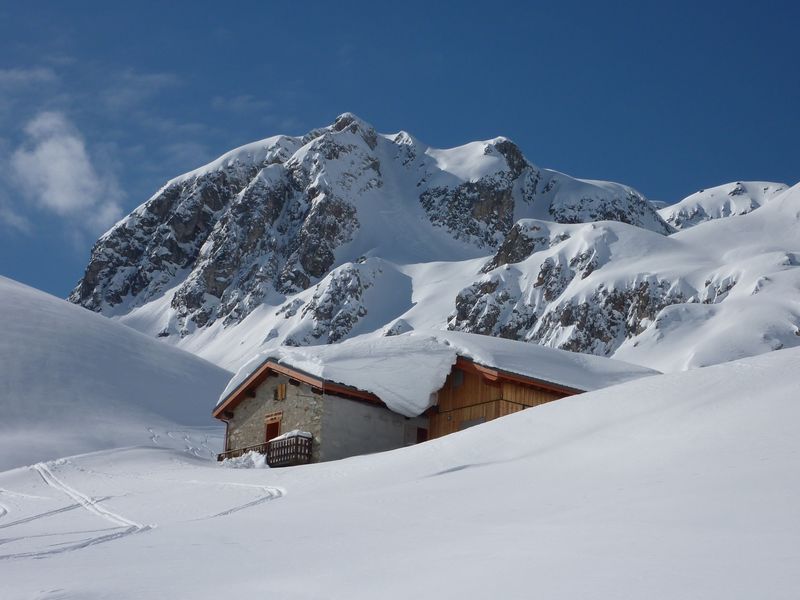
(285, 452)
(260, 448)
(290, 451)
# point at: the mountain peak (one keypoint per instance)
(357, 126)
(274, 218)
(348, 119)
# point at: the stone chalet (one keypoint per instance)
(365, 395)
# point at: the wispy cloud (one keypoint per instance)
(53, 169)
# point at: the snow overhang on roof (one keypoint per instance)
(404, 371)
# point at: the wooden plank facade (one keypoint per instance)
(473, 395)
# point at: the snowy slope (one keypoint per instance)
(750, 302)
(729, 200)
(721, 290)
(72, 381)
(674, 486)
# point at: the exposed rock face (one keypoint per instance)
(559, 293)
(336, 305)
(273, 218)
(330, 311)
(525, 238)
(135, 260)
(479, 211)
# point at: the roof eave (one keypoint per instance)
(336, 388)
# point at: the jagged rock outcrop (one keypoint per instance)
(564, 292)
(333, 308)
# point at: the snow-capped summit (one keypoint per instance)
(345, 231)
(274, 217)
(728, 200)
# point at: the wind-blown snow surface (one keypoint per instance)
(72, 381)
(672, 486)
(382, 365)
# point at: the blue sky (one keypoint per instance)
(101, 103)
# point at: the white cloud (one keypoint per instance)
(54, 170)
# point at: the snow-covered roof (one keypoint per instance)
(405, 370)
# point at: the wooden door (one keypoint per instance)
(273, 429)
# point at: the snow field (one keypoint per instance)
(671, 486)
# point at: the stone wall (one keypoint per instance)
(302, 409)
(340, 427)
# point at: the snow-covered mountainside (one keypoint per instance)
(275, 217)
(346, 232)
(727, 200)
(720, 290)
(72, 381)
(672, 486)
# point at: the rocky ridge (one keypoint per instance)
(273, 218)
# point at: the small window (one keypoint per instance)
(280, 392)
(422, 435)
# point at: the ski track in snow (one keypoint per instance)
(93, 506)
(43, 515)
(20, 494)
(270, 493)
(121, 526)
(79, 546)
